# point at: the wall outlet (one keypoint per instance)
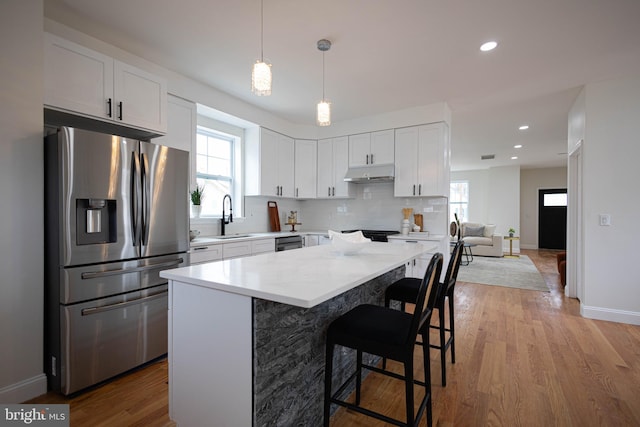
(605, 219)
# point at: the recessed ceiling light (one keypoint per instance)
(524, 127)
(514, 158)
(488, 46)
(517, 146)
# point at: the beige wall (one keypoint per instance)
(532, 180)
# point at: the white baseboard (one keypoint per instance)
(528, 246)
(24, 390)
(620, 316)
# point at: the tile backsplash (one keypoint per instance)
(374, 207)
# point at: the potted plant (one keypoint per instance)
(196, 200)
(511, 232)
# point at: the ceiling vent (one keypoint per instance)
(488, 156)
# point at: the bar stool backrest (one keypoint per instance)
(427, 295)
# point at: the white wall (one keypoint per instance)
(611, 150)
(494, 197)
(21, 191)
(531, 181)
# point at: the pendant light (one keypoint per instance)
(324, 106)
(261, 73)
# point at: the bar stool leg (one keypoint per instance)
(408, 374)
(452, 327)
(443, 346)
(328, 367)
(358, 375)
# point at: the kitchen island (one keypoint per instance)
(247, 335)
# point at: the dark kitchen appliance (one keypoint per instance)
(286, 243)
(115, 216)
(375, 235)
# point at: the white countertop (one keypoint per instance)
(209, 240)
(417, 236)
(300, 277)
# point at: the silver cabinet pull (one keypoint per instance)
(95, 274)
(96, 310)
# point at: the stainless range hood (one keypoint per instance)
(372, 173)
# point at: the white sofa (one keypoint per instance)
(487, 241)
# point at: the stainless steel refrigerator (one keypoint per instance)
(116, 214)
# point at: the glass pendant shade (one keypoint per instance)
(324, 113)
(261, 78)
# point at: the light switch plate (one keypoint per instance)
(605, 219)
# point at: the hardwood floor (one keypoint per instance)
(523, 358)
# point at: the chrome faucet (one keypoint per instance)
(223, 220)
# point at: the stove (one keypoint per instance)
(375, 235)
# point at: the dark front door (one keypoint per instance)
(552, 219)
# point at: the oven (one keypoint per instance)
(288, 242)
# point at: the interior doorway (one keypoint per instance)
(552, 219)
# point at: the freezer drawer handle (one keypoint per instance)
(94, 274)
(96, 310)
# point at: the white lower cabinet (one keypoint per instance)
(219, 251)
(418, 267)
(310, 240)
(205, 253)
(263, 246)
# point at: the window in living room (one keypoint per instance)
(459, 200)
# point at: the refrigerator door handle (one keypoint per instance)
(96, 274)
(96, 310)
(135, 198)
(146, 202)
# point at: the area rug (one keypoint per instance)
(510, 272)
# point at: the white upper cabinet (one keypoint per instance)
(371, 148)
(305, 166)
(333, 163)
(181, 129)
(88, 83)
(269, 164)
(422, 157)
(181, 125)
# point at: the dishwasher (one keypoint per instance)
(288, 242)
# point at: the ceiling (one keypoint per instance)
(389, 55)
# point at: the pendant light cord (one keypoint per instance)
(323, 76)
(262, 30)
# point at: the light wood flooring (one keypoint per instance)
(523, 358)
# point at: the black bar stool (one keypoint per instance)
(405, 290)
(389, 334)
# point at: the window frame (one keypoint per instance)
(465, 216)
(235, 179)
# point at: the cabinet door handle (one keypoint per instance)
(367, 159)
(109, 113)
(296, 191)
(419, 189)
(328, 191)
(120, 106)
(414, 189)
(371, 158)
(333, 191)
